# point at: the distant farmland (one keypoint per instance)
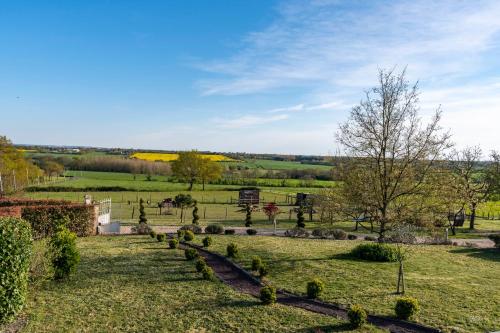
(167, 157)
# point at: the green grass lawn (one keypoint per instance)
(280, 165)
(135, 284)
(457, 287)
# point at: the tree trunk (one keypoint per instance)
(182, 214)
(191, 185)
(472, 216)
(401, 279)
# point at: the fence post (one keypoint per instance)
(226, 214)
(204, 212)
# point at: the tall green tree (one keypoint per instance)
(196, 217)
(183, 201)
(210, 170)
(188, 167)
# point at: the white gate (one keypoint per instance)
(104, 216)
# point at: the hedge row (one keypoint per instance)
(78, 189)
(11, 202)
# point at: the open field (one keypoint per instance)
(280, 165)
(457, 287)
(134, 284)
(166, 157)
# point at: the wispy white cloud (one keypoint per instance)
(248, 120)
(295, 108)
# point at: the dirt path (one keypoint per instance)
(238, 278)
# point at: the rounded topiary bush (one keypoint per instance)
(263, 271)
(232, 250)
(15, 253)
(200, 264)
(188, 236)
(375, 252)
(339, 234)
(357, 316)
(406, 307)
(193, 227)
(352, 237)
(256, 263)
(152, 234)
(181, 233)
(173, 243)
(161, 237)
(315, 288)
(251, 232)
(214, 229)
(229, 232)
(190, 254)
(208, 273)
(64, 254)
(268, 295)
(207, 241)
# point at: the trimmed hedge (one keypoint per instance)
(64, 254)
(15, 254)
(268, 295)
(11, 202)
(375, 252)
(214, 229)
(406, 307)
(357, 316)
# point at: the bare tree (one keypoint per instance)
(390, 151)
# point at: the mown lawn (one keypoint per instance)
(458, 288)
(134, 284)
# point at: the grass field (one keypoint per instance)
(280, 165)
(134, 284)
(166, 157)
(457, 287)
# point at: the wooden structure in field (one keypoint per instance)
(249, 196)
(305, 199)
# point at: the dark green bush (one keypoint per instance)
(297, 232)
(315, 288)
(357, 316)
(496, 239)
(251, 232)
(208, 273)
(339, 234)
(263, 271)
(268, 295)
(200, 264)
(229, 232)
(375, 252)
(256, 263)
(188, 236)
(64, 254)
(207, 241)
(406, 307)
(232, 250)
(370, 238)
(152, 234)
(352, 237)
(190, 254)
(180, 234)
(196, 229)
(161, 237)
(173, 243)
(15, 253)
(320, 233)
(214, 229)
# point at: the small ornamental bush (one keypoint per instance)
(181, 233)
(268, 295)
(208, 273)
(375, 252)
(15, 253)
(297, 232)
(161, 237)
(315, 288)
(190, 254)
(357, 316)
(320, 233)
(207, 241)
(214, 229)
(193, 227)
(263, 271)
(232, 250)
(339, 234)
(173, 243)
(496, 239)
(64, 254)
(370, 238)
(188, 236)
(152, 234)
(256, 263)
(251, 232)
(406, 307)
(229, 232)
(200, 264)
(352, 237)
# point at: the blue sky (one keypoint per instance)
(254, 76)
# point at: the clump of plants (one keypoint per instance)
(232, 250)
(142, 228)
(188, 235)
(190, 254)
(161, 237)
(214, 229)
(300, 218)
(251, 232)
(375, 252)
(268, 295)
(200, 264)
(263, 271)
(208, 273)
(196, 229)
(357, 316)
(248, 215)
(63, 252)
(173, 243)
(207, 241)
(229, 232)
(152, 234)
(256, 263)
(406, 307)
(15, 253)
(339, 234)
(314, 288)
(297, 232)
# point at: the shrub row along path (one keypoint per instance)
(241, 280)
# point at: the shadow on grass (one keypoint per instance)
(486, 254)
(341, 327)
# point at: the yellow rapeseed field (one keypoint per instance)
(172, 157)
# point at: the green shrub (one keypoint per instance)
(357, 316)
(406, 307)
(229, 232)
(339, 234)
(496, 239)
(161, 237)
(263, 271)
(190, 254)
(200, 264)
(173, 243)
(15, 253)
(188, 236)
(375, 252)
(352, 237)
(256, 263)
(315, 288)
(196, 229)
(152, 234)
(251, 232)
(214, 229)
(268, 295)
(320, 233)
(207, 241)
(232, 250)
(370, 238)
(181, 233)
(208, 273)
(297, 232)
(64, 254)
